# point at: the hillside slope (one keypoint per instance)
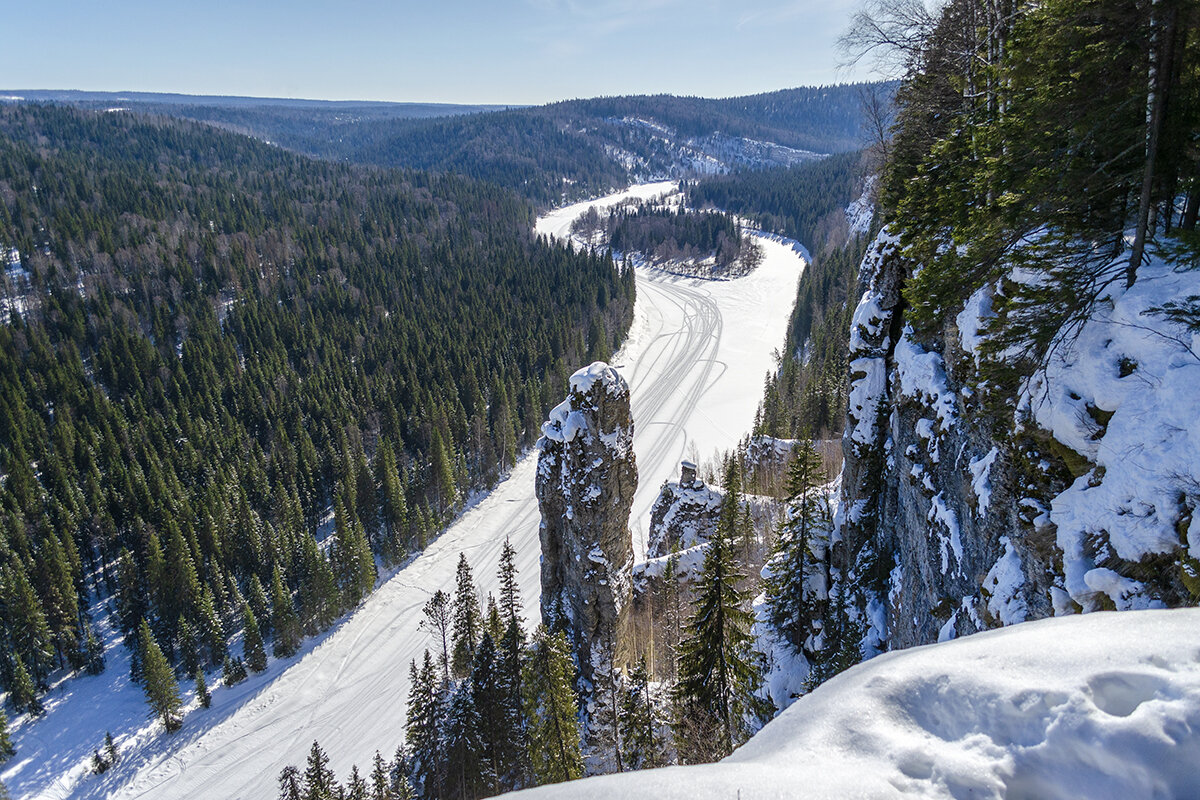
(561, 151)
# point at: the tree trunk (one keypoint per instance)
(1162, 36)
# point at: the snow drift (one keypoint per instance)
(1103, 705)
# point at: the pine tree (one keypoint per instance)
(468, 620)
(553, 728)
(252, 643)
(287, 625)
(789, 601)
(6, 746)
(717, 673)
(438, 620)
(202, 693)
(158, 680)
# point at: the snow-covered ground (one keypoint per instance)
(1103, 705)
(696, 383)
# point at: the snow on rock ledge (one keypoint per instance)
(1101, 705)
(1124, 395)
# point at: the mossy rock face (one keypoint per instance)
(1075, 463)
(1189, 576)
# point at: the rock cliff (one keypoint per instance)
(963, 510)
(585, 484)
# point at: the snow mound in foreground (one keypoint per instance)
(1103, 705)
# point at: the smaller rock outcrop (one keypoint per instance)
(684, 515)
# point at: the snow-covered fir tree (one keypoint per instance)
(716, 705)
(467, 620)
(550, 712)
(158, 680)
(795, 585)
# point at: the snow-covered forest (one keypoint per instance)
(401, 452)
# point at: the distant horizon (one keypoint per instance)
(11, 94)
(461, 52)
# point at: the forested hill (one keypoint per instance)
(210, 343)
(571, 149)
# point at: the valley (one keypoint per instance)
(694, 359)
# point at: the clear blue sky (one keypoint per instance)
(460, 51)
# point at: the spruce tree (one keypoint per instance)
(553, 728)
(252, 643)
(441, 475)
(22, 691)
(6, 746)
(287, 625)
(644, 747)
(468, 620)
(28, 631)
(356, 788)
(395, 506)
(381, 788)
(718, 676)
(467, 774)
(202, 693)
(498, 726)
(233, 671)
(510, 589)
(398, 776)
(110, 749)
(509, 664)
(188, 649)
(319, 783)
(789, 601)
(93, 653)
(256, 596)
(158, 680)
(423, 727)
(290, 784)
(211, 633)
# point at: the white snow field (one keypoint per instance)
(695, 380)
(1099, 706)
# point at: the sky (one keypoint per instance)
(455, 51)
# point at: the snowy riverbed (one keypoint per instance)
(695, 381)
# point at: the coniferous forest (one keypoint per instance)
(231, 378)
